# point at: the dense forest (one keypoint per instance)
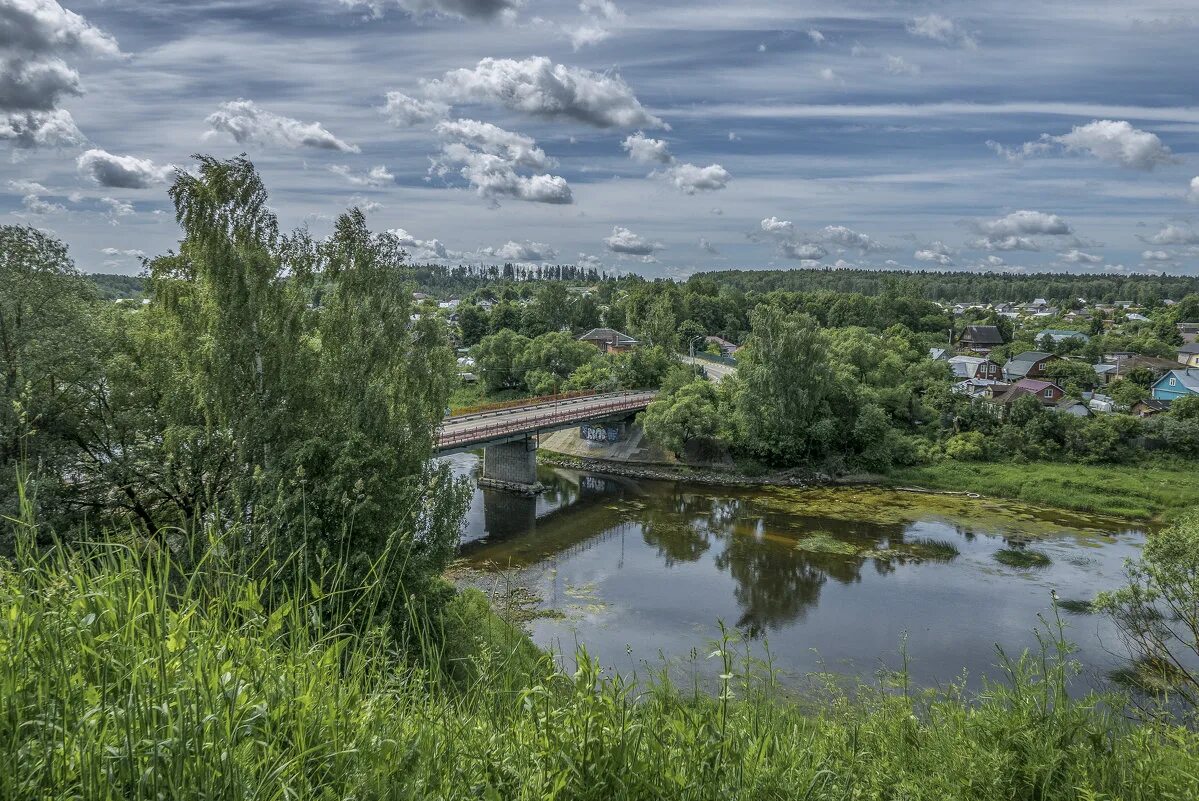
(964, 287)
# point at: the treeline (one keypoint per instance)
(444, 280)
(115, 287)
(963, 286)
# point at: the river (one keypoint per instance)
(830, 580)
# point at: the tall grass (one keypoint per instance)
(1159, 490)
(121, 678)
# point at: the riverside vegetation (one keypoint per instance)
(227, 545)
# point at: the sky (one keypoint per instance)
(660, 138)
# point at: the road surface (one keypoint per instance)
(713, 370)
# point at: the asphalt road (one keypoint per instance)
(714, 370)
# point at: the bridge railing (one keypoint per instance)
(629, 399)
(500, 406)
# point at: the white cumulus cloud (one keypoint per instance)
(644, 150)
(690, 179)
(405, 111)
(541, 88)
(1111, 141)
(488, 157)
(773, 225)
(521, 251)
(626, 243)
(245, 121)
(35, 37)
(1076, 256)
(122, 172)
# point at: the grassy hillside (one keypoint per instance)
(122, 680)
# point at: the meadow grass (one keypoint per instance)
(1157, 491)
(123, 678)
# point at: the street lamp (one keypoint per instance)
(691, 344)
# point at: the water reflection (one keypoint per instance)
(650, 567)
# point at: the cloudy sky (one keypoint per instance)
(662, 137)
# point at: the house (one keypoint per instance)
(1029, 364)
(1137, 318)
(974, 387)
(1047, 392)
(1106, 372)
(980, 338)
(1189, 332)
(1057, 336)
(1176, 384)
(1153, 364)
(726, 348)
(609, 340)
(975, 367)
(1188, 354)
(938, 354)
(1149, 407)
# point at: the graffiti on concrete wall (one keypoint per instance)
(591, 432)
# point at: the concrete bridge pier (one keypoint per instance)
(511, 466)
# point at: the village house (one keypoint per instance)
(609, 340)
(1189, 332)
(726, 348)
(1149, 407)
(938, 354)
(974, 387)
(1176, 384)
(1029, 364)
(1153, 364)
(1049, 394)
(975, 367)
(980, 338)
(1188, 354)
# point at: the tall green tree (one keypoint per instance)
(786, 387)
(48, 330)
(294, 427)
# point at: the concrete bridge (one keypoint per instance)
(509, 435)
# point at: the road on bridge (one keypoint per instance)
(538, 415)
(717, 371)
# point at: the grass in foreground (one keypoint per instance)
(1155, 491)
(119, 680)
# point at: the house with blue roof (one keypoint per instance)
(1176, 384)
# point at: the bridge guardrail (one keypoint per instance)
(500, 407)
(630, 399)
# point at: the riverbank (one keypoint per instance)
(1155, 493)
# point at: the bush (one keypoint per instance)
(966, 447)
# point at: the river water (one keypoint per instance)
(829, 580)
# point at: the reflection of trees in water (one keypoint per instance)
(776, 582)
(774, 585)
(681, 528)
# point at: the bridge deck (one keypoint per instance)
(538, 415)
